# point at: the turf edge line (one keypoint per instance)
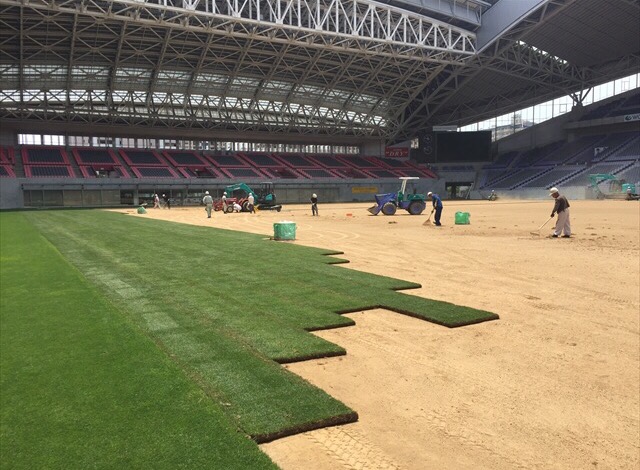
(325, 423)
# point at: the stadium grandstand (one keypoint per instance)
(104, 103)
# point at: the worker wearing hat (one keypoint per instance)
(207, 200)
(561, 207)
(314, 204)
(437, 207)
(224, 202)
(251, 203)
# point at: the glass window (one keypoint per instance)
(29, 139)
(53, 140)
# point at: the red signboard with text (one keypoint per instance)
(396, 152)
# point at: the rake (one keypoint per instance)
(537, 232)
(428, 221)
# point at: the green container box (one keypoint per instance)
(284, 231)
(462, 218)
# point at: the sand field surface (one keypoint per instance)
(553, 384)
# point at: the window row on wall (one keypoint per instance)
(510, 123)
(169, 144)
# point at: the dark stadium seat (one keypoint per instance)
(235, 173)
(316, 173)
(58, 171)
(135, 157)
(154, 172)
(327, 161)
(44, 155)
(104, 171)
(88, 156)
(260, 160)
(6, 155)
(184, 158)
(199, 172)
(281, 172)
(230, 161)
(352, 173)
(7, 171)
(295, 161)
(358, 162)
(383, 173)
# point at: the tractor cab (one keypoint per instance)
(266, 195)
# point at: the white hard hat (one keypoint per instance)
(553, 190)
(206, 192)
(314, 195)
(429, 193)
(224, 194)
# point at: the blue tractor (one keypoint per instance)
(388, 203)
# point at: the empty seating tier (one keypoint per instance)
(6, 155)
(230, 161)
(141, 157)
(184, 159)
(103, 171)
(327, 161)
(552, 177)
(44, 155)
(281, 172)
(312, 173)
(582, 179)
(199, 172)
(358, 162)
(296, 161)
(57, 171)
(351, 173)
(6, 171)
(631, 175)
(382, 173)
(154, 172)
(242, 173)
(89, 156)
(261, 160)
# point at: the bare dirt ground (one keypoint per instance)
(553, 384)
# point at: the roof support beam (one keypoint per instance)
(362, 26)
(469, 11)
(503, 16)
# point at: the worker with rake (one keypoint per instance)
(561, 207)
(437, 206)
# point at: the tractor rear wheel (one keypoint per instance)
(417, 207)
(389, 208)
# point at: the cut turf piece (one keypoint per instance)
(225, 305)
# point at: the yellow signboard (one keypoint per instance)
(364, 190)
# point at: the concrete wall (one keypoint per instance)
(78, 192)
(373, 149)
(96, 193)
(11, 194)
(8, 137)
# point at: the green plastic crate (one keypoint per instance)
(284, 231)
(462, 218)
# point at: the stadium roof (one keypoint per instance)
(300, 70)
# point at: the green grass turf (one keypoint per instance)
(224, 305)
(81, 387)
